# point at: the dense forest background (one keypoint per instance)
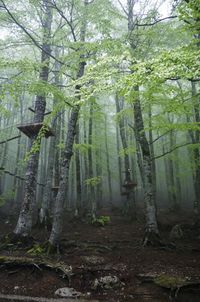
(99, 104)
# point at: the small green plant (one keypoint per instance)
(101, 220)
(36, 250)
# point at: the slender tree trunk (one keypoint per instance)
(152, 153)
(130, 196)
(119, 107)
(175, 203)
(86, 172)
(90, 164)
(119, 158)
(3, 158)
(108, 161)
(16, 181)
(177, 180)
(41, 175)
(99, 173)
(57, 151)
(78, 204)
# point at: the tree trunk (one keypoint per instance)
(93, 205)
(151, 232)
(196, 153)
(120, 107)
(78, 205)
(119, 158)
(99, 188)
(130, 201)
(85, 161)
(108, 161)
(151, 146)
(45, 210)
(24, 224)
(149, 198)
(67, 153)
(64, 178)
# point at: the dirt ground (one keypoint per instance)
(111, 250)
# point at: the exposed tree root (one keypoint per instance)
(153, 239)
(51, 249)
(39, 263)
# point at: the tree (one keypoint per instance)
(68, 150)
(24, 224)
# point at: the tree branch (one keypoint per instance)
(160, 136)
(157, 21)
(170, 151)
(10, 139)
(69, 23)
(123, 8)
(27, 33)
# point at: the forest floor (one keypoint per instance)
(113, 250)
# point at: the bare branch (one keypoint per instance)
(170, 151)
(69, 23)
(123, 8)
(160, 136)
(28, 33)
(10, 139)
(155, 22)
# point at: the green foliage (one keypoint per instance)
(82, 148)
(189, 12)
(94, 181)
(101, 220)
(127, 151)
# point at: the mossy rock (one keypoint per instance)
(171, 282)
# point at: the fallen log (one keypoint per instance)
(61, 267)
